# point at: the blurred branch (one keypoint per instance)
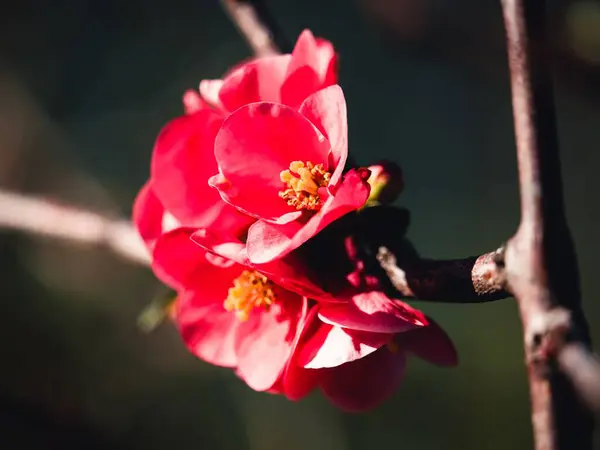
(540, 264)
(583, 369)
(255, 23)
(44, 218)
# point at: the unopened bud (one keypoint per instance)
(387, 182)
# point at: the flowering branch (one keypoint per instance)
(254, 22)
(539, 263)
(42, 217)
(468, 280)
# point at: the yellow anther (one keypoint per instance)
(303, 181)
(250, 290)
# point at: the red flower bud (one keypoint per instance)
(387, 182)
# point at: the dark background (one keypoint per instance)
(84, 88)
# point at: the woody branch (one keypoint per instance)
(540, 264)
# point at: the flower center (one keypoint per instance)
(303, 181)
(250, 290)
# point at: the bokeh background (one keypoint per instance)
(85, 86)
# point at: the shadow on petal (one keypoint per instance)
(430, 343)
(364, 384)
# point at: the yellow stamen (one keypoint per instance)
(303, 181)
(250, 290)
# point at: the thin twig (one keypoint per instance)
(540, 265)
(255, 23)
(44, 218)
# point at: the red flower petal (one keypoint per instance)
(328, 62)
(287, 272)
(232, 196)
(148, 214)
(225, 219)
(258, 80)
(264, 342)
(183, 161)
(331, 346)
(373, 311)
(304, 71)
(254, 145)
(225, 246)
(298, 381)
(267, 242)
(207, 329)
(296, 277)
(305, 53)
(298, 86)
(219, 261)
(209, 90)
(192, 102)
(365, 383)
(317, 53)
(326, 109)
(277, 388)
(176, 259)
(430, 343)
(180, 263)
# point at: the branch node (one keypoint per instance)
(498, 256)
(494, 274)
(545, 337)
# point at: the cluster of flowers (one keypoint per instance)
(241, 188)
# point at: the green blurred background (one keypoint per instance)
(84, 88)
